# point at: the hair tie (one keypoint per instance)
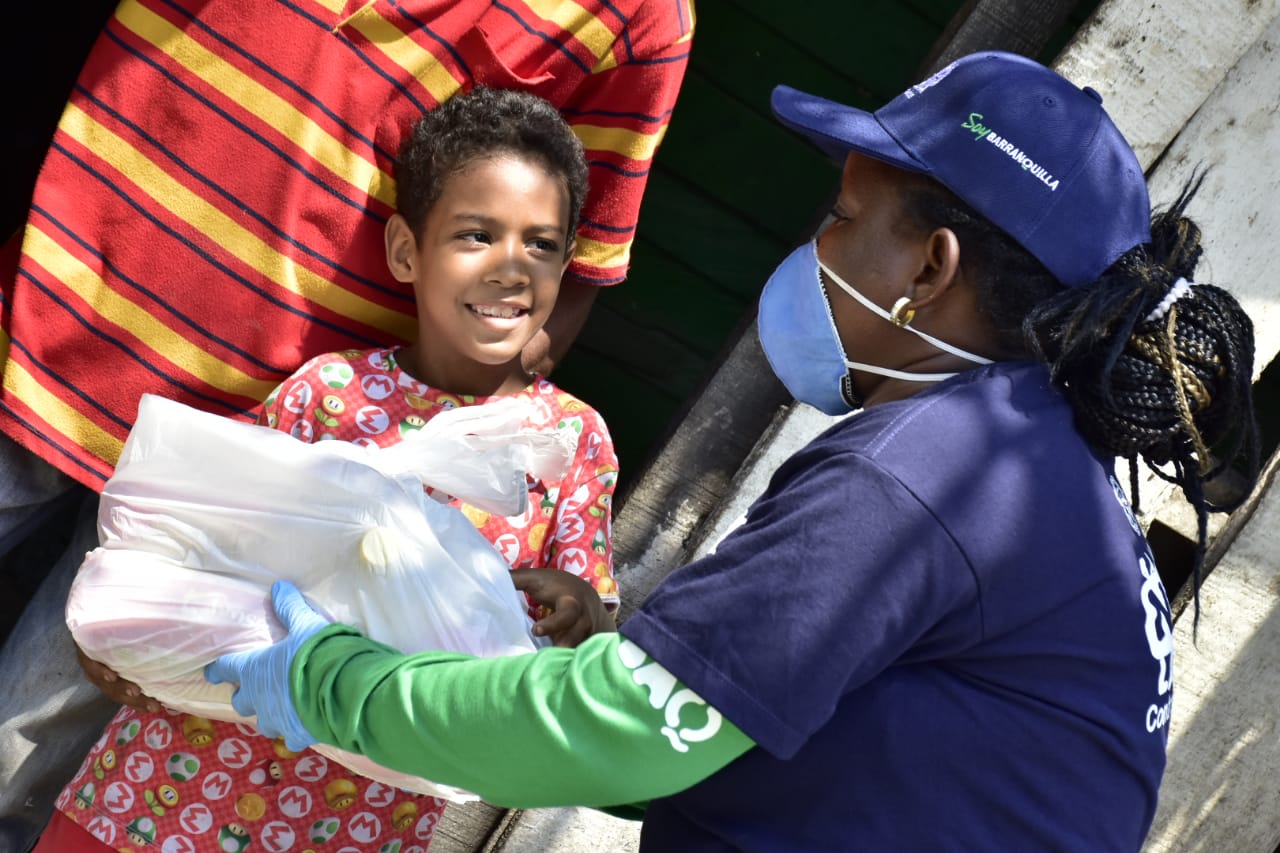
(1175, 293)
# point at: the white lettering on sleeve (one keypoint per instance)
(661, 686)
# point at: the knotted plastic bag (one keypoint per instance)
(204, 513)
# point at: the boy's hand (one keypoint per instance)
(577, 611)
(548, 347)
(116, 688)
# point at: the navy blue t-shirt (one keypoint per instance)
(943, 629)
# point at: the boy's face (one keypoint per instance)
(486, 271)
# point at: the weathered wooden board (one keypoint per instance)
(466, 827)
(1219, 790)
(1155, 62)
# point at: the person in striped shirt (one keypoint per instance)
(210, 214)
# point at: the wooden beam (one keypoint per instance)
(695, 469)
(467, 828)
(1219, 786)
(1017, 26)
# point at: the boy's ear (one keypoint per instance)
(402, 248)
(570, 248)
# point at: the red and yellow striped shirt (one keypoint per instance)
(211, 209)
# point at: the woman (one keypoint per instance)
(940, 626)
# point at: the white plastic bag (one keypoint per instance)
(203, 514)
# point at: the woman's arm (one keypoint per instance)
(599, 725)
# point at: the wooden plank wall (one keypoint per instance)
(1203, 88)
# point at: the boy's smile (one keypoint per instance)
(486, 272)
(499, 312)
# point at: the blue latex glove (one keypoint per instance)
(263, 674)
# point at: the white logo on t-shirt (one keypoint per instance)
(1159, 627)
(1158, 622)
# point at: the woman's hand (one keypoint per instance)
(116, 688)
(576, 609)
(263, 674)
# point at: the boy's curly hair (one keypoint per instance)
(485, 122)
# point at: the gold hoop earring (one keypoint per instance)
(900, 317)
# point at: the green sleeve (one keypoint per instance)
(599, 725)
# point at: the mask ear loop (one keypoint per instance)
(899, 317)
(880, 312)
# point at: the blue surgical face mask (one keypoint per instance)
(799, 336)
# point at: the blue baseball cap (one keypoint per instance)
(1022, 145)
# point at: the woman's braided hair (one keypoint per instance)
(1172, 387)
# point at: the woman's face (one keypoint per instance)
(878, 253)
